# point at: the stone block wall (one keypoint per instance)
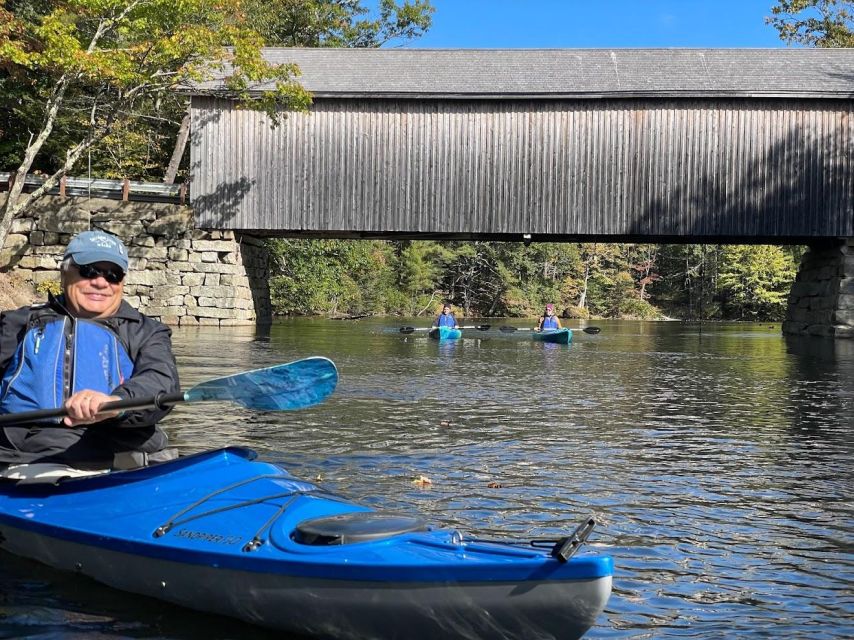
(821, 302)
(181, 275)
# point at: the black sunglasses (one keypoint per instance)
(113, 276)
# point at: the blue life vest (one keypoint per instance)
(60, 357)
(446, 320)
(549, 322)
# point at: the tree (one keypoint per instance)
(814, 23)
(754, 281)
(332, 276)
(645, 268)
(418, 274)
(322, 23)
(337, 23)
(101, 62)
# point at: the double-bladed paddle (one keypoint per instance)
(479, 327)
(284, 387)
(505, 329)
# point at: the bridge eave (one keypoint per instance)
(564, 95)
(540, 237)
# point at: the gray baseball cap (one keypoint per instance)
(97, 246)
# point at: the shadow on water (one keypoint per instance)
(822, 381)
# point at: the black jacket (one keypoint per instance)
(149, 345)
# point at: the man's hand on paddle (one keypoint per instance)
(83, 408)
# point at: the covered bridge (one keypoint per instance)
(630, 144)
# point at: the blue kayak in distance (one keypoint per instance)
(225, 533)
(558, 336)
(445, 333)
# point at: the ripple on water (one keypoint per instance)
(718, 463)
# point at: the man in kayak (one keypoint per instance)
(549, 321)
(80, 350)
(446, 318)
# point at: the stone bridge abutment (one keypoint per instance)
(179, 274)
(821, 301)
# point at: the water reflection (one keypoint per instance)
(718, 458)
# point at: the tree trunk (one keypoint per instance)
(180, 146)
(582, 299)
(14, 204)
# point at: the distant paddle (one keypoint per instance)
(284, 387)
(479, 327)
(506, 329)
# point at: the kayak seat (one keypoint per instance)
(359, 526)
(45, 473)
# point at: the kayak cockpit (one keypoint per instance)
(357, 526)
(57, 477)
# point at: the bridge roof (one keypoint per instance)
(566, 73)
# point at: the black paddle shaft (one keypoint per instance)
(479, 327)
(160, 401)
(508, 329)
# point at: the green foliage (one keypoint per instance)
(511, 279)
(577, 313)
(108, 50)
(120, 97)
(337, 23)
(633, 308)
(418, 274)
(755, 281)
(75, 74)
(52, 287)
(116, 64)
(814, 23)
(331, 276)
(687, 287)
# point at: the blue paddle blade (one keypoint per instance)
(285, 387)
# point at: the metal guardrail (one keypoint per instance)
(100, 188)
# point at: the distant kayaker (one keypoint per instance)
(79, 350)
(446, 318)
(549, 321)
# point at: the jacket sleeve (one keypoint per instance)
(154, 371)
(13, 326)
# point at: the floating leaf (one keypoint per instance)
(422, 481)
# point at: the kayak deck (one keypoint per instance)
(221, 519)
(445, 333)
(557, 336)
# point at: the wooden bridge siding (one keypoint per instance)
(703, 168)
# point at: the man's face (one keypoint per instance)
(94, 296)
(446, 310)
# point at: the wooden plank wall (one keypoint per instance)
(689, 169)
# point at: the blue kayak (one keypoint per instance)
(222, 532)
(445, 333)
(558, 336)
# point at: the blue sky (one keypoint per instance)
(599, 23)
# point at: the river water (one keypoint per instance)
(718, 460)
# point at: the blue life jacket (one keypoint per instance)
(549, 322)
(446, 320)
(58, 357)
